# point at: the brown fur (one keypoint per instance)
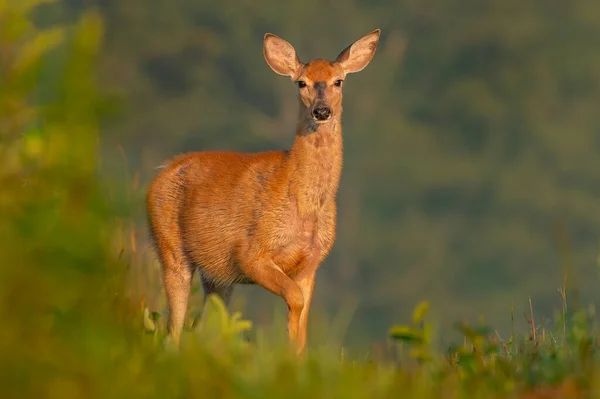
(258, 218)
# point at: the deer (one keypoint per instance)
(264, 218)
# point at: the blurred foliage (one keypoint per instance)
(563, 359)
(58, 280)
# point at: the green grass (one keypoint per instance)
(72, 321)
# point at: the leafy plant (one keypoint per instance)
(416, 335)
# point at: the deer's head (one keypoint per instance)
(319, 81)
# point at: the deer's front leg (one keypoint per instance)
(266, 273)
(306, 282)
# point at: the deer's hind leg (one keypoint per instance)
(177, 278)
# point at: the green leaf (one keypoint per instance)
(406, 334)
(420, 312)
(239, 325)
(149, 323)
(216, 308)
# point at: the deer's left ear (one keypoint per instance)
(357, 56)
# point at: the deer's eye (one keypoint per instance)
(338, 83)
(301, 84)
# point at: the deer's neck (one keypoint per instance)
(315, 164)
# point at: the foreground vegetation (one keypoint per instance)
(71, 329)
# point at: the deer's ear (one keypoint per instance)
(357, 56)
(281, 56)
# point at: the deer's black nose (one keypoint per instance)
(321, 113)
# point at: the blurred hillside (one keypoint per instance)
(471, 140)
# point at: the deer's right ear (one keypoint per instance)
(281, 56)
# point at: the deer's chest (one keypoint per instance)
(305, 242)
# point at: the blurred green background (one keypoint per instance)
(472, 142)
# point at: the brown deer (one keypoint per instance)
(259, 218)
